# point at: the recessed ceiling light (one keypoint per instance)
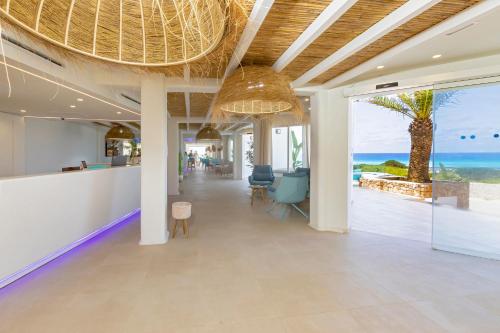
(306, 99)
(79, 99)
(380, 67)
(309, 108)
(118, 112)
(436, 56)
(22, 111)
(72, 106)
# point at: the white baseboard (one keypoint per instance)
(336, 230)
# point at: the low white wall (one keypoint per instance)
(40, 215)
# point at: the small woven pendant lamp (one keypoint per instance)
(256, 91)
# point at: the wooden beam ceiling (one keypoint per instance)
(283, 25)
(341, 33)
(431, 17)
(176, 105)
(287, 20)
(199, 104)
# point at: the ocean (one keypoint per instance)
(450, 160)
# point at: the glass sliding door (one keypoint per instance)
(280, 149)
(295, 156)
(466, 170)
(288, 148)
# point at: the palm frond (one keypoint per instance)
(410, 102)
(418, 105)
(424, 100)
(392, 104)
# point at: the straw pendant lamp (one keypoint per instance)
(131, 32)
(256, 91)
(120, 133)
(208, 133)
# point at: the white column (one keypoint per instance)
(153, 160)
(173, 158)
(257, 144)
(329, 161)
(225, 147)
(238, 157)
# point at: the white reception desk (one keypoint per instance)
(43, 216)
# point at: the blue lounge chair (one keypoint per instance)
(262, 175)
(292, 190)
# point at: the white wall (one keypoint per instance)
(53, 144)
(40, 215)
(12, 145)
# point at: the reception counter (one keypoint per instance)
(44, 216)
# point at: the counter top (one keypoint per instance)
(77, 172)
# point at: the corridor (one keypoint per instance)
(244, 270)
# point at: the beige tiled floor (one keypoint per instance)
(243, 270)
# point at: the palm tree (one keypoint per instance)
(418, 107)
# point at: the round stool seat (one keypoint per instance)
(181, 210)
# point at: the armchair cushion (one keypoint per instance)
(262, 176)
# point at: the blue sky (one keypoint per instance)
(475, 111)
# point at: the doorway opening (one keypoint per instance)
(391, 194)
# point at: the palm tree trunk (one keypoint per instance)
(421, 146)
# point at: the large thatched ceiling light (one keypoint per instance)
(120, 133)
(256, 91)
(133, 32)
(208, 134)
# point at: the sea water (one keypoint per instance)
(449, 160)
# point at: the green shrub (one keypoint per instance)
(400, 172)
(480, 175)
(394, 163)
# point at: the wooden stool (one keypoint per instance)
(258, 190)
(185, 228)
(181, 211)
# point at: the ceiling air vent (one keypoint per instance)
(131, 99)
(386, 85)
(460, 29)
(31, 50)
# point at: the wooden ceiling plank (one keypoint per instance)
(397, 18)
(329, 16)
(463, 18)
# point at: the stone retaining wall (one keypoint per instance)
(417, 190)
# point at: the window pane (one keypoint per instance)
(296, 156)
(466, 176)
(279, 144)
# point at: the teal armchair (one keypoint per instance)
(261, 175)
(292, 190)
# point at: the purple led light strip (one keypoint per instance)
(39, 263)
